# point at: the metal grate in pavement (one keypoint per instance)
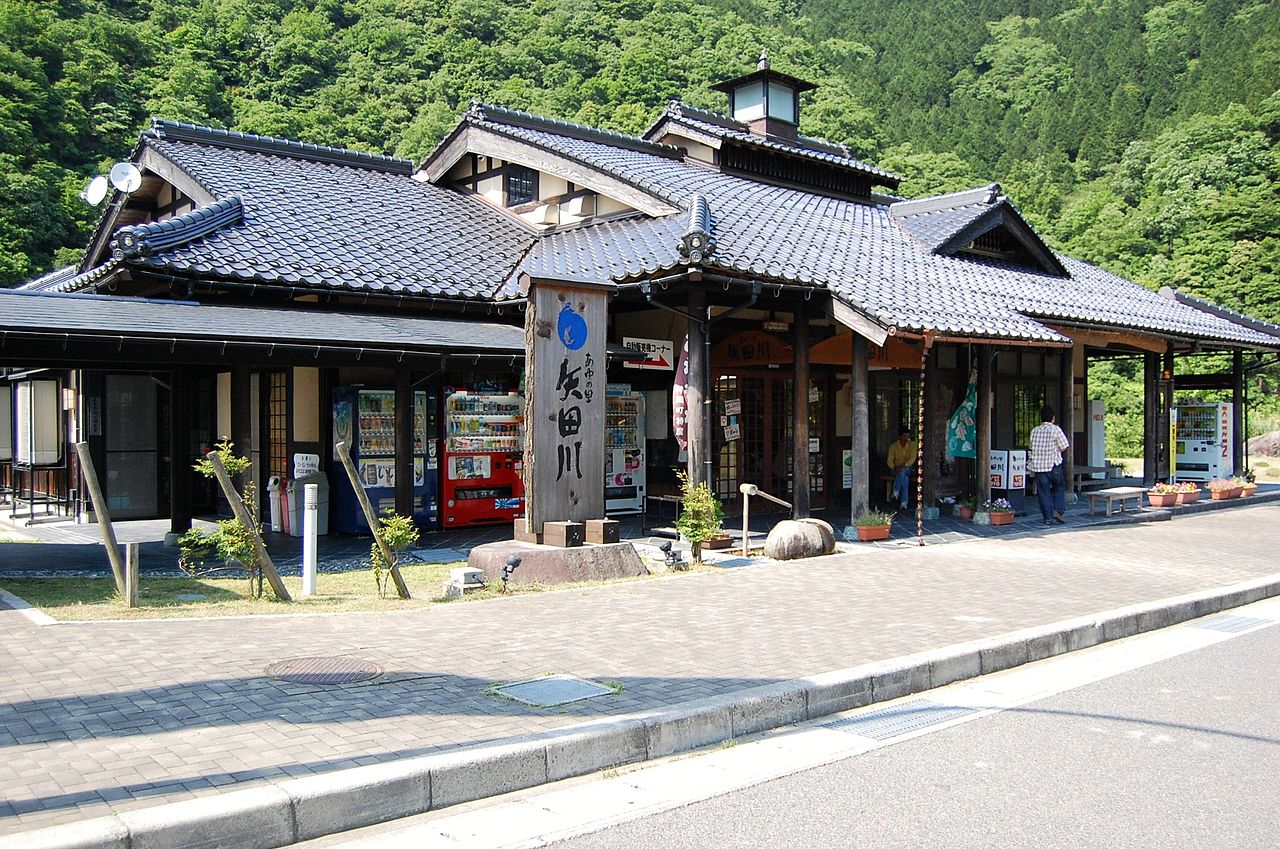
(324, 670)
(552, 691)
(891, 722)
(1231, 623)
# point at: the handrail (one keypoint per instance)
(748, 490)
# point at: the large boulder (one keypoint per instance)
(1265, 445)
(793, 539)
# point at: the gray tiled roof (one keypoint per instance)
(858, 251)
(159, 319)
(317, 217)
(51, 281)
(725, 128)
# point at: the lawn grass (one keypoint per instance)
(14, 536)
(69, 599)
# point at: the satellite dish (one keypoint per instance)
(126, 177)
(95, 191)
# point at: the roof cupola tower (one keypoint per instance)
(767, 101)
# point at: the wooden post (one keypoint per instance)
(921, 464)
(242, 413)
(800, 418)
(1150, 418)
(131, 575)
(344, 454)
(1165, 423)
(1239, 434)
(103, 515)
(982, 458)
(180, 472)
(1067, 419)
(240, 512)
(404, 443)
(695, 391)
(860, 444)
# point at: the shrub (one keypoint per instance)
(398, 532)
(700, 515)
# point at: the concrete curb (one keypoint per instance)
(305, 808)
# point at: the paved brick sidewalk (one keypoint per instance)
(111, 716)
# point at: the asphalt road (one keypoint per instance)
(1182, 753)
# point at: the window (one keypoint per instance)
(521, 185)
(1028, 399)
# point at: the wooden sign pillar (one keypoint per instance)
(565, 330)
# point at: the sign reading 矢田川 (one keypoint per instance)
(565, 330)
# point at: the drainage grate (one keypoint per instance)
(324, 670)
(891, 722)
(1231, 623)
(553, 691)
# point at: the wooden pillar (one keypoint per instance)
(983, 426)
(800, 418)
(404, 441)
(242, 414)
(929, 447)
(1239, 434)
(1067, 416)
(860, 491)
(1150, 417)
(697, 389)
(1165, 418)
(181, 477)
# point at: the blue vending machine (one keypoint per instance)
(366, 420)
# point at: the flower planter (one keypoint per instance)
(1002, 518)
(1188, 497)
(1162, 499)
(718, 542)
(1220, 494)
(1237, 491)
(965, 513)
(870, 533)
(1248, 489)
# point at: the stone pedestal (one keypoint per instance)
(547, 564)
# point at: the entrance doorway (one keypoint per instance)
(752, 436)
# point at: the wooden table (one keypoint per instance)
(1113, 494)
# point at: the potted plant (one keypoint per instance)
(999, 511)
(1163, 495)
(1247, 484)
(965, 507)
(1220, 489)
(873, 525)
(1187, 492)
(700, 515)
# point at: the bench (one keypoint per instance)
(1113, 494)
(1083, 476)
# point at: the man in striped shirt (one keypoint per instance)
(1044, 460)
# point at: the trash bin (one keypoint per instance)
(273, 501)
(296, 501)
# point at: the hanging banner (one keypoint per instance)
(962, 427)
(679, 408)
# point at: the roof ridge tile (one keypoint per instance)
(197, 134)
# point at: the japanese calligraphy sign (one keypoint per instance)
(565, 330)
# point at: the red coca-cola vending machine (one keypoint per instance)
(480, 480)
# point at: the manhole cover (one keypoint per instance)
(553, 691)
(324, 670)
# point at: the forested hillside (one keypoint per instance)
(1136, 134)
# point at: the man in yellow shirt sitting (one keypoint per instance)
(902, 461)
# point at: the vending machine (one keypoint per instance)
(624, 437)
(483, 448)
(1202, 441)
(365, 419)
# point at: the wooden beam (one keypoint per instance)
(103, 515)
(1066, 417)
(930, 450)
(486, 143)
(1096, 338)
(800, 417)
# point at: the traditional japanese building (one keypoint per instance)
(249, 280)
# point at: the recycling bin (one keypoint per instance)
(296, 502)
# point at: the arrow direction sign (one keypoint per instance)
(653, 354)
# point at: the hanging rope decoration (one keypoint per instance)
(924, 358)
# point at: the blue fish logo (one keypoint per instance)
(571, 328)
